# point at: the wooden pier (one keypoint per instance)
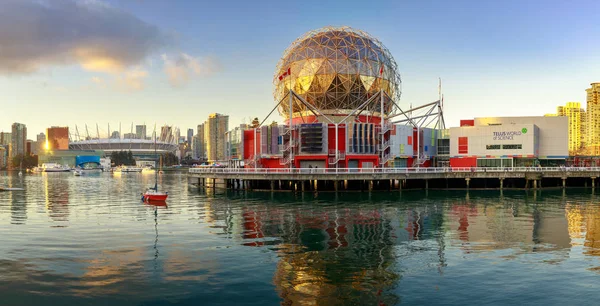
(350, 179)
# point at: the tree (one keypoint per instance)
(169, 159)
(122, 158)
(29, 161)
(255, 122)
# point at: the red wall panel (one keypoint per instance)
(463, 145)
(468, 122)
(463, 162)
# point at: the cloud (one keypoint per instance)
(132, 80)
(183, 67)
(40, 33)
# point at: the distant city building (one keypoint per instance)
(182, 139)
(200, 147)
(592, 139)
(57, 138)
(140, 131)
(5, 138)
(576, 116)
(235, 145)
(29, 147)
(214, 133)
(19, 140)
(115, 135)
(166, 133)
(40, 143)
(3, 156)
(190, 134)
(130, 136)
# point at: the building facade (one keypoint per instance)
(215, 128)
(510, 142)
(57, 138)
(18, 143)
(200, 145)
(5, 138)
(140, 131)
(577, 125)
(592, 139)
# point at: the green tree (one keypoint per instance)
(29, 161)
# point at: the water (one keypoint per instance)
(90, 241)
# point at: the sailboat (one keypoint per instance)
(152, 194)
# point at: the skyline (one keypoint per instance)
(131, 62)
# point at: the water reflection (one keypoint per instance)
(237, 248)
(56, 190)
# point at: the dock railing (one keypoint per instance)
(200, 170)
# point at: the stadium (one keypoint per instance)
(141, 146)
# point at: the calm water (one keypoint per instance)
(90, 241)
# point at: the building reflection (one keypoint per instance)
(56, 192)
(326, 257)
(489, 226)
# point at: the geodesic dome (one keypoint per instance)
(336, 69)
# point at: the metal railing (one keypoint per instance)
(390, 170)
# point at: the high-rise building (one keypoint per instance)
(3, 157)
(40, 143)
(190, 134)
(140, 131)
(57, 138)
(166, 133)
(200, 148)
(576, 116)
(592, 139)
(115, 135)
(5, 138)
(214, 133)
(19, 140)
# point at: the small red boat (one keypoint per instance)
(153, 195)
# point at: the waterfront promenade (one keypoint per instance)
(394, 178)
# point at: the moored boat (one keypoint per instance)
(53, 167)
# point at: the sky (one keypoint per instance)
(95, 62)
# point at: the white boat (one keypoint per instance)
(148, 170)
(77, 172)
(52, 167)
(124, 169)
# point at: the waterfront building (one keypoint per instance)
(215, 128)
(140, 131)
(510, 142)
(3, 156)
(577, 116)
(18, 143)
(57, 138)
(200, 147)
(72, 158)
(336, 89)
(130, 136)
(592, 139)
(235, 145)
(5, 138)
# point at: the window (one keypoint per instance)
(492, 147)
(463, 145)
(512, 147)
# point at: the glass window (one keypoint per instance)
(493, 147)
(512, 147)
